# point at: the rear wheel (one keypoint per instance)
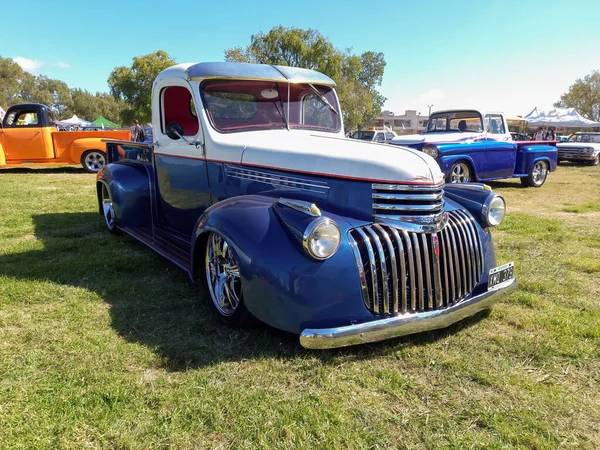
(93, 160)
(460, 172)
(537, 175)
(224, 282)
(108, 210)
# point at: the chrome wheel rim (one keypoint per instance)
(95, 161)
(539, 173)
(460, 173)
(223, 276)
(109, 212)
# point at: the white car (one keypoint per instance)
(581, 147)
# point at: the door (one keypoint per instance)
(500, 155)
(182, 184)
(23, 137)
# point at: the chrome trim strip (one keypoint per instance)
(300, 205)
(427, 271)
(383, 266)
(254, 175)
(396, 207)
(407, 187)
(419, 264)
(361, 271)
(402, 283)
(392, 253)
(374, 284)
(411, 197)
(411, 269)
(378, 330)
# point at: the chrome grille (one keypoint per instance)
(571, 152)
(408, 203)
(403, 272)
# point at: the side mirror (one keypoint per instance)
(175, 131)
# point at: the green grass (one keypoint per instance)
(103, 344)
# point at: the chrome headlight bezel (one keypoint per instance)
(431, 150)
(492, 212)
(310, 233)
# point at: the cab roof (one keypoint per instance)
(248, 71)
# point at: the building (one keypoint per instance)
(410, 122)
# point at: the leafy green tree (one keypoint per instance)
(584, 96)
(356, 76)
(133, 85)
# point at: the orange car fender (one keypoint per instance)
(2, 155)
(81, 145)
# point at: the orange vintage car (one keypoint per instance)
(27, 138)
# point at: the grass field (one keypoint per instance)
(103, 344)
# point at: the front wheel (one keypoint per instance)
(459, 173)
(537, 175)
(224, 282)
(595, 161)
(108, 210)
(93, 160)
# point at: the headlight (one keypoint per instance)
(431, 150)
(494, 210)
(322, 238)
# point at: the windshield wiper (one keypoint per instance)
(322, 98)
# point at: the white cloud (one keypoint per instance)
(62, 65)
(29, 65)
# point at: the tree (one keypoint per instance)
(356, 77)
(584, 96)
(133, 85)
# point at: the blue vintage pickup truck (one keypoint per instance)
(251, 188)
(473, 146)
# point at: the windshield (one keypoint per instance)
(241, 105)
(455, 121)
(363, 135)
(594, 138)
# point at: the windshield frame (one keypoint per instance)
(474, 113)
(293, 114)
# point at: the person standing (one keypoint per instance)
(539, 135)
(137, 133)
(550, 136)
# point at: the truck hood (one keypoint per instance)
(412, 139)
(339, 157)
(578, 145)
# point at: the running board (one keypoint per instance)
(177, 255)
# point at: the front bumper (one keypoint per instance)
(379, 330)
(579, 157)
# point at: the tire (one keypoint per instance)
(224, 283)
(460, 172)
(595, 161)
(93, 160)
(108, 211)
(537, 175)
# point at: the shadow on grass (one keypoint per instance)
(153, 303)
(44, 170)
(505, 184)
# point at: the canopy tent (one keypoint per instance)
(103, 122)
(74, 121)
(559, 117)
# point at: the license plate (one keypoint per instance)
(500, 275)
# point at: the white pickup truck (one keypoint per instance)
(580, 147)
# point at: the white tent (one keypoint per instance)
(74, 121)
(2, 113)
(559, 117)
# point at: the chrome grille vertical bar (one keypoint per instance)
(477, 245)
(437, 279)
(374, 283)
(426, 255)
(411, 271)
(419, 267)
(459, 268)
(393, 308)
(464, 257)
(383, 266)
(470, 247)
(402, 286)
(448, 255)
(364, 289)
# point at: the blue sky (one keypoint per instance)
(504, 55)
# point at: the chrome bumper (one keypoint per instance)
(378, 330)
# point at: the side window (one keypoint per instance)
(389, 136)
(22, 118)
(178, 106)
(494, 124)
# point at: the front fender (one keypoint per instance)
(282, 285)
(81, 145)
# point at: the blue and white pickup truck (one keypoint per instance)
(473, 146)
(251, 187)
